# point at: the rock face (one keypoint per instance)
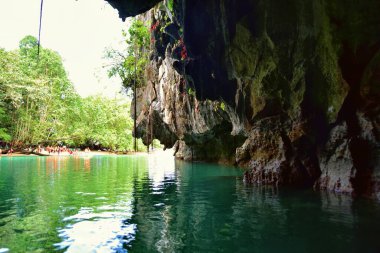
(132, 7)
(289, 89)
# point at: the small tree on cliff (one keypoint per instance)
(130, 65)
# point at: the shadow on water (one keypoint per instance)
(207, 208)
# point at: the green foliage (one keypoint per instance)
(102, 122)
(218, 105)
(4, 135)
(223, 106)
(191, 92)
(29, 46)
(130, 65)
(32, 92)
(156, 144)
(38, 104)
(170, 5)
(138, 37)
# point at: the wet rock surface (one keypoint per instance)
(290, 90)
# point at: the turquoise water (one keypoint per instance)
(154, 204)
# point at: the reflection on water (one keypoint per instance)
(154, 204)
(161, 167)
(68, 204)
(100, 230)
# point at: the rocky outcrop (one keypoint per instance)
(132, 7)
(289, 89)
(170, 111)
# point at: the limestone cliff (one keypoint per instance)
(289, 89)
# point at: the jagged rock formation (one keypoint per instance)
(289, 89)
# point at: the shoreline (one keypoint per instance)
(90, 154)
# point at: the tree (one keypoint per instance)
(34, 93)
(39, 105)
(130, 67)
(4, 135)
(123, 63)
(28, 46)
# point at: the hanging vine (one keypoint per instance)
(39, 30)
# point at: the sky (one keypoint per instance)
(79, 30)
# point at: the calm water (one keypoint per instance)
(153, 204)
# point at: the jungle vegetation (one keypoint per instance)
(39, 105)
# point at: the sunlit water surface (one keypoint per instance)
(154, 204)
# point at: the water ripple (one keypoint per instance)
(101, 231)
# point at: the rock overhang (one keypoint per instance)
(130, 8)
